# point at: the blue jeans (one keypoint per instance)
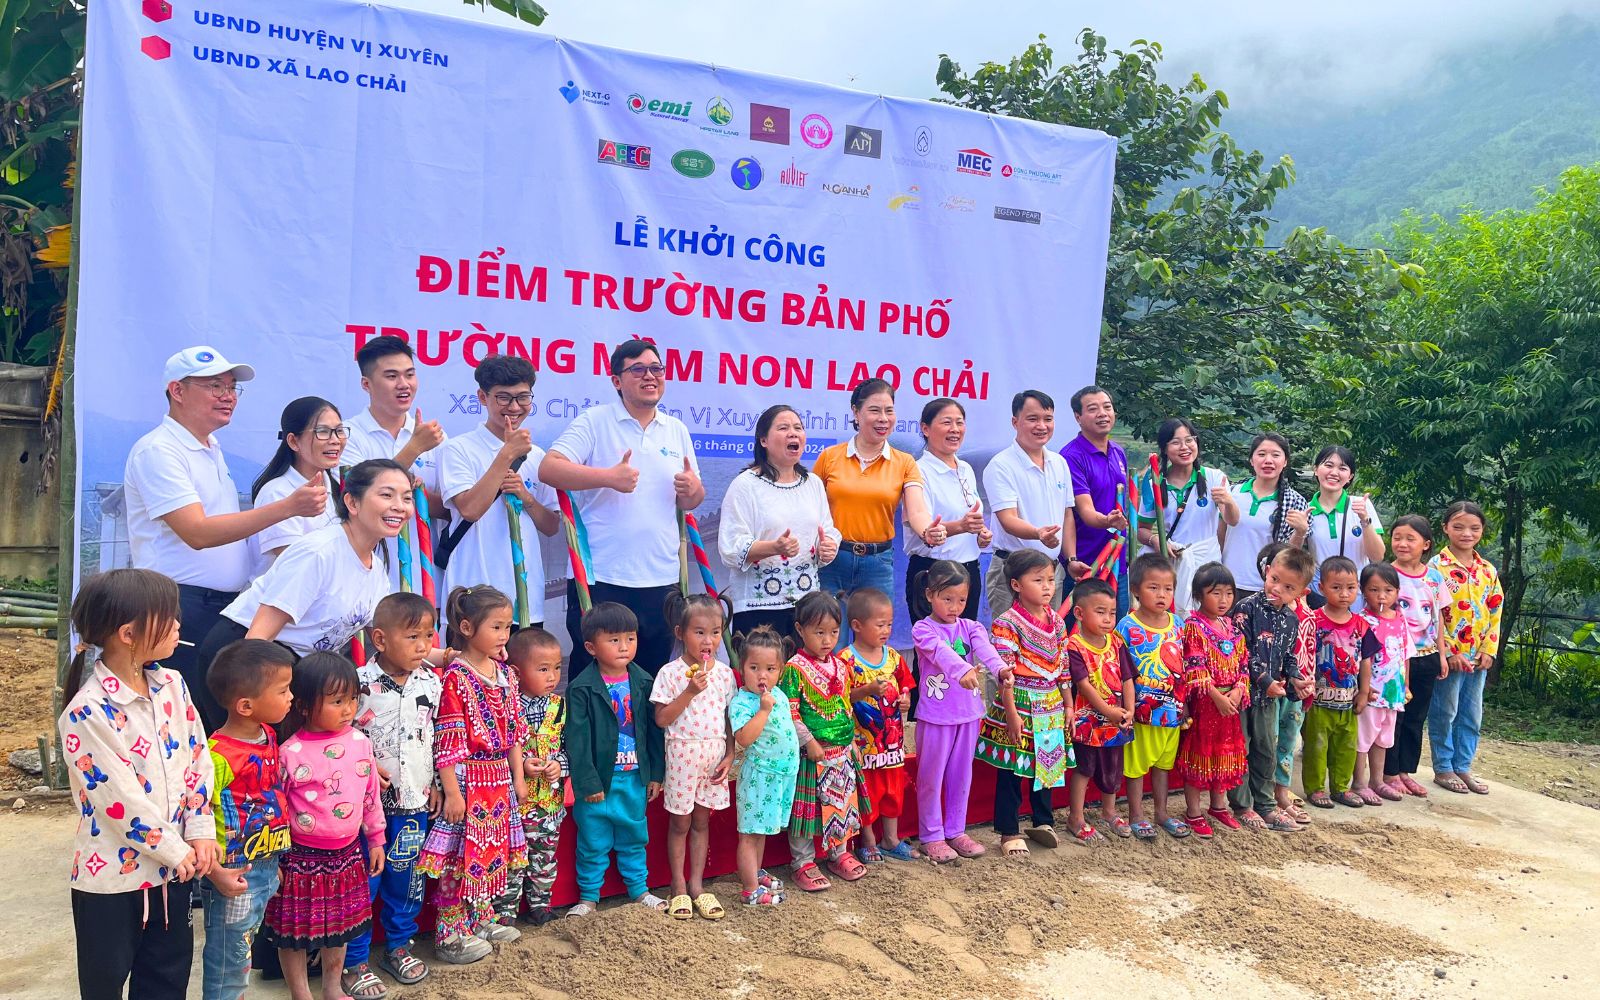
(849, 571)
(231, 926)
(1454, 718)
(613, 824)
(394, 885)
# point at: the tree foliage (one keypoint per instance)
(1202, 317)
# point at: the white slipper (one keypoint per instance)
(581, 909)
(651, 901)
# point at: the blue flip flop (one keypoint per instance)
(902, 851)
(1176, 828)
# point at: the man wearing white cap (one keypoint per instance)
(183, 507)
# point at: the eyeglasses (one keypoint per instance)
(218, 388)
(640, 371)
(520, 399)
(1184, 440)
(329, 433)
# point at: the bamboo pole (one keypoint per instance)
(67, 467)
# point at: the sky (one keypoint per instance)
(1268, 55)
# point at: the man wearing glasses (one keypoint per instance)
(633, 467)
(183, 508)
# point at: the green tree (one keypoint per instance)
(1506, 411)
(1201, 316)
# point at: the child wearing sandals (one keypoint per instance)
(1024, 735)
(760, 716)
(536, 656)
(1375, 727)
(1151, 634)
(1345, 648)
(881, 690)
(1282, 648)
(828, 792)
(1102, 675)
(1211, 752)
(616, 754)
(1471, 640)
(691, 696)
(1423, 597)
(949, 711)
(1292, 707)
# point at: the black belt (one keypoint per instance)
(866, 548)
(1003, 554)
(225, 596)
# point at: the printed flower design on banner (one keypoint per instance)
(937, 686)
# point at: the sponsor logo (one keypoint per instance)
(1005, 171)
(572, 92)
(1030, 174)
(677, 111)
(910, 200)
(862, 141)
(746, 173)
(1017, 215)
(719, 112)
(624, 154)
(793, 176)
(205, 357)
(922, 141)
(769, 123)
(958, 203)
(975, 162)
(816, 131)
(848, 190)
(693, 163)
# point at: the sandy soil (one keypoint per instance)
(1481, 896)
(27, 674)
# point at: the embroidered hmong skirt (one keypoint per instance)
(489, 843)
(323, 900)
(1044, 753)
(1211, 752)
(829, 798)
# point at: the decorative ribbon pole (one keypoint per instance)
(519, 560)
(577, 548)
(1157, 488)
(425, 545)
(696, 547)
(404, 542)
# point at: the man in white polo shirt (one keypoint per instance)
(183, 507)
(635, 467)
(1030, 491)
(392, 427)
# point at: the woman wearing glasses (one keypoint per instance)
(311, 439)
(1195, 502)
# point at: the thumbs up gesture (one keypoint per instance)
(624, 477)
(429, 435)
(935, 533)
(788, 546)
(827, 548)
(310, 498)
(518, 440)
(685, 483)
(972, 520)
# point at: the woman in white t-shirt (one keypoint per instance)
(1195, 503)
(311, 439)
(1270, 510)
(322, 591)
(952, 490)
(1342, 523)
(775, 531)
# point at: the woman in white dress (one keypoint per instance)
(1195, 502)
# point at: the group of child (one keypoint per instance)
(329, 787)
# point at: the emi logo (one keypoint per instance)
(860, 141)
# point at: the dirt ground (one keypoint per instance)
(1457, 896)
(27, 675)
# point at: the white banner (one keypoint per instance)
(283, 181)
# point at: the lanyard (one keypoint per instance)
(1342, 508)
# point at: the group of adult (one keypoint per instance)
(307, 564)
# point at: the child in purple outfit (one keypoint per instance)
(950, 711)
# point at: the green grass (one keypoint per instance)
(1514, 715)
(45, 586)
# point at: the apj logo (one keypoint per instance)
(862, 141)
(975, 162)
(677, 111)
(746, 173)
(816, 131)
(693, 163)
(623, 154)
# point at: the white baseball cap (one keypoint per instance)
(198, 362)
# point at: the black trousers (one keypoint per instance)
(1008, 798)
(141, 939)
(779, 620)
(917, 607)
(199, 611)
(646, 603)
(1422, 672)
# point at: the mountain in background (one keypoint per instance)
(1488, 128)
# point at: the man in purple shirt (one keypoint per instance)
(1098, 464)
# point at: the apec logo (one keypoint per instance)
(862, 141)
(975, 162)
(677, 111)
(572, 92)
(623, 154)
(746, 173)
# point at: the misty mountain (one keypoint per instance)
(1488, 127)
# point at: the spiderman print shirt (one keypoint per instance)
(1341, 646)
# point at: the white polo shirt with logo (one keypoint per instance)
(484, 555)
(633, 537)
(368, 441)
(167, 470)
(1039, 496)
